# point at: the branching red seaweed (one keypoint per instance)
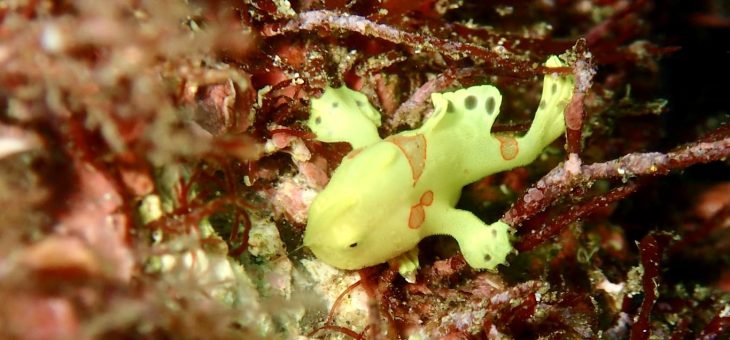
(157, 169)
(563, 179)
(329, 20)
(651, 250)
(533, 238)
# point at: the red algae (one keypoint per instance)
(156, 171)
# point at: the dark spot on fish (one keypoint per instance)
(490, 105)
(470, 102)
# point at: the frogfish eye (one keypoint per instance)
(353, 245)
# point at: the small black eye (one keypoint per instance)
(353, 245)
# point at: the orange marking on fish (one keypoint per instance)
(427, 198)
(414, 148)
(417, 215)
(508, 147)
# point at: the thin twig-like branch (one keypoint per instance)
(651, 248)
(583, 72)
(536, 237)
(563, 179)
(497, 63)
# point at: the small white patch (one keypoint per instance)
(533, 195)
(610, 287)
(52, 39)
(725, 312)
(9, 146)
(572, 165)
